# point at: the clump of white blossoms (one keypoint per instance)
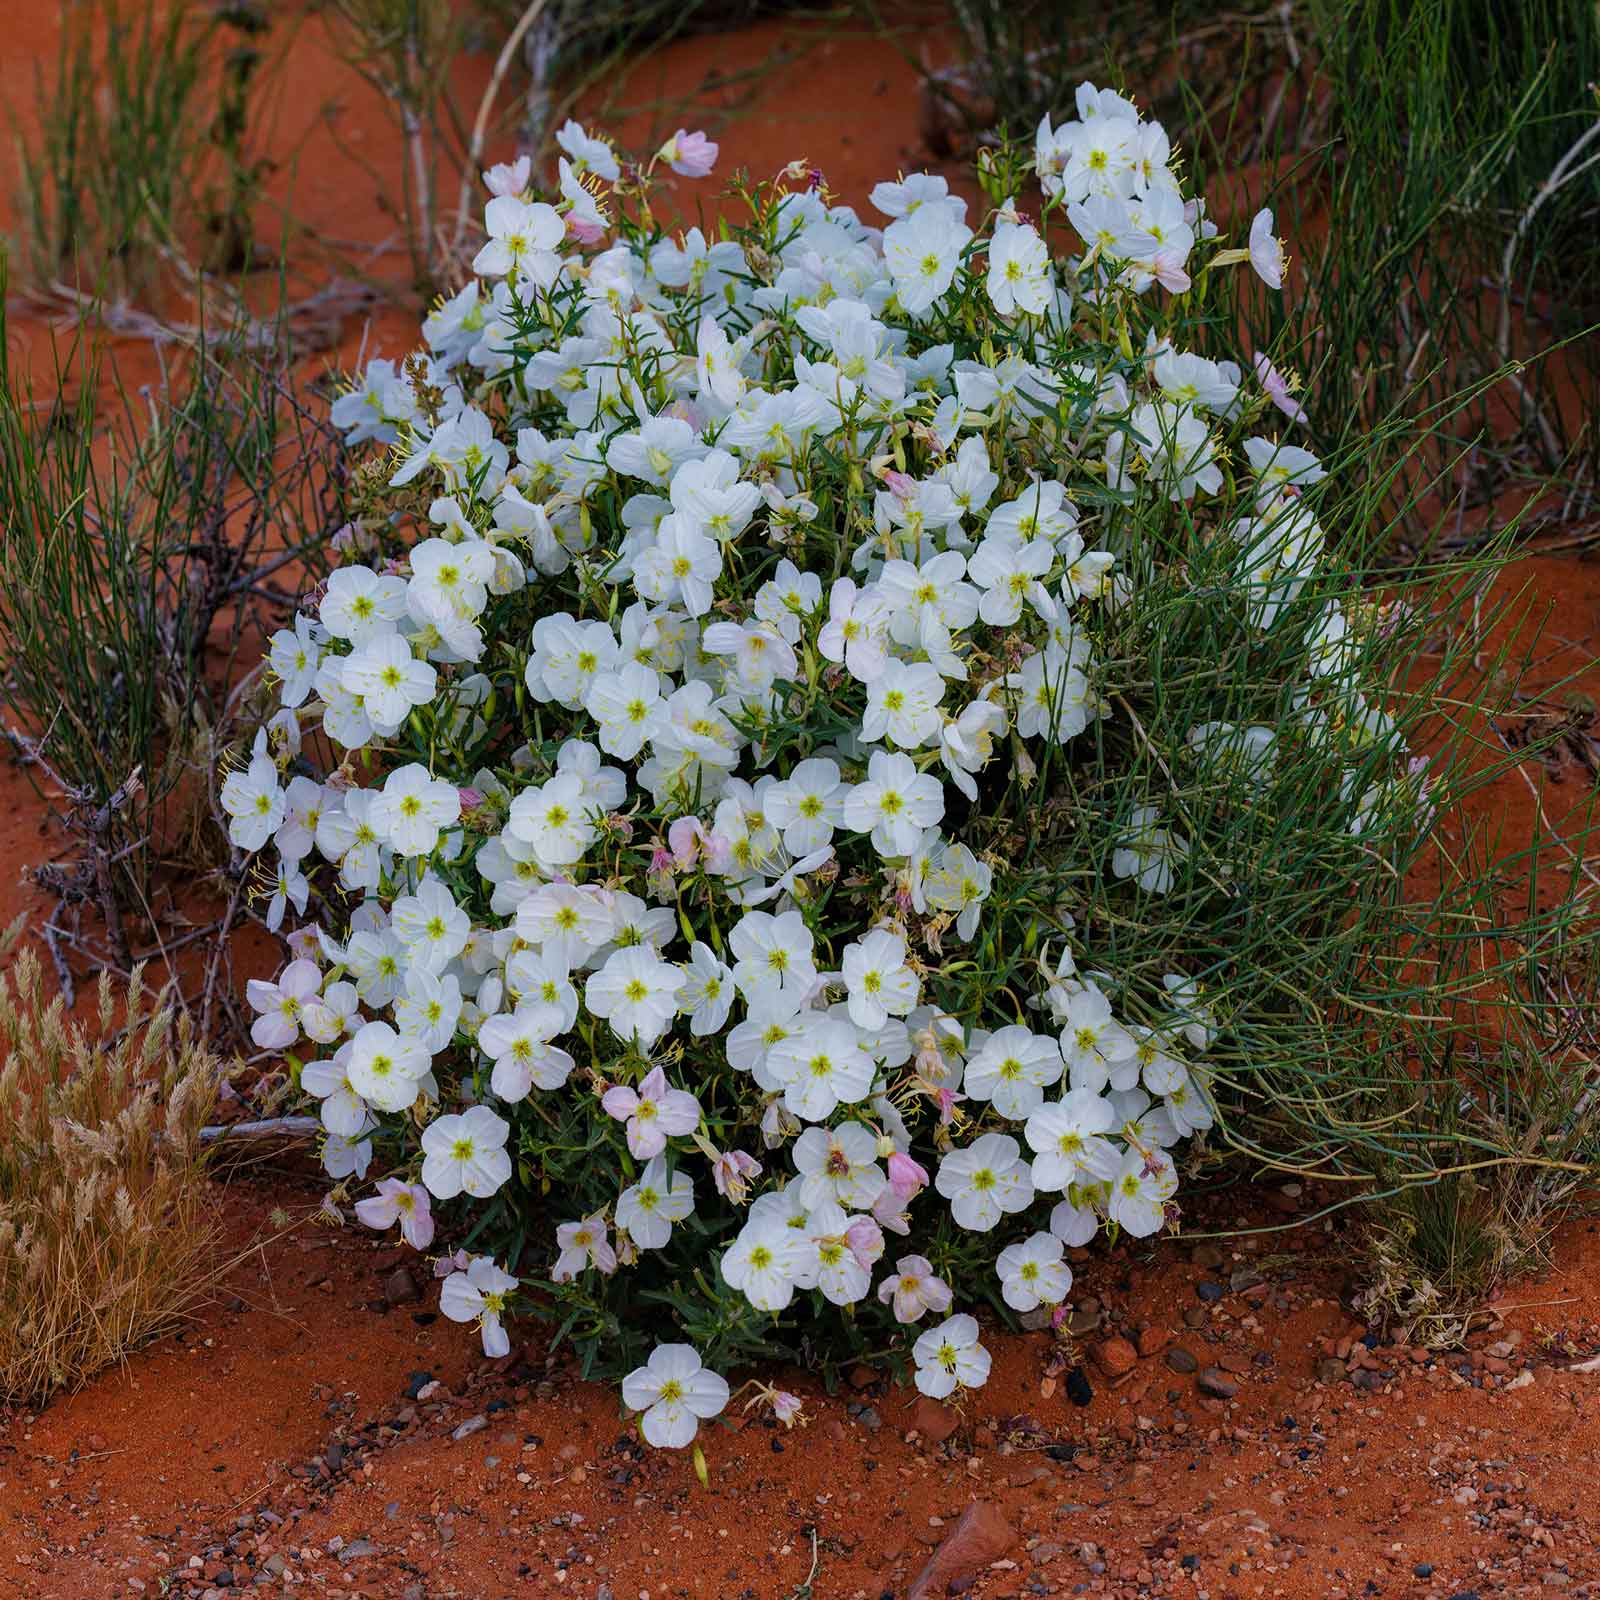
(679, 753)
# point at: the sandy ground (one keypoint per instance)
(1215, 1424)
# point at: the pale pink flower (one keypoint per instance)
(906, 1177)
(690, 155)
(1277, 388)
(652, 1112)
(407, 1203)
(732, 1172)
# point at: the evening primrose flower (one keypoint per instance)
(690, 155)
(984, 1181)
(1066, 1136)
(1266, 251)
(386, 1068)
(879, 982)
(1033, 1273)
(647, 1209)
(914, 1289)
(654, 1112)
(402, 1202)
(949, 1357)
(479, 1295)
(254, 801)
(673, 1393)
(465, 1154)
(637, 993)
(282, 1004)
(1012, 1069)
(581, 1245)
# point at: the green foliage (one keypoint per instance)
(141, 150)
(147, 539)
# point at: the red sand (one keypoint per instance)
(273, 1443)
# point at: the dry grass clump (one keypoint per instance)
(107, 1231)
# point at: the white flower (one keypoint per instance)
(1019, 270)
(772, 954)
(358, 604)
(854, 634)
(518, 1043)
(479, 1295)
(637, 993)
(821, 1067)
(567, 921)
(984, 1181)
(807, 805)
(879, 982)
(922, 251)
(1149, 853)
(432, 927)
(402, 1202)
(1033, 1273)
(581, 1245)
(949, 1357)
(839, 1164)
(647, 1209)
(413, 809)
(294, 656)
(627, 706)
(523, 236)
(465, 1154)
(1266, 251)
(764, 1262)
(386, 1068)
(894, 804)
(281, 1005)
(707, 995)
(254, 803)
(1097, 1049)
(1012, 1069)
(429, 1009)
(1053, 697)
(554, 820)
(674, 1393)
(1139, 1192)
(903, 704)
(1066, 1138)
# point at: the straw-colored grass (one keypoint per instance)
(107, 1229)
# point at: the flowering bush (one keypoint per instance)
(814, 720)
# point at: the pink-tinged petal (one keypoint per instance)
(620, 1101)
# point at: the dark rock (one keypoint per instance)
(419, 1382)
(1215, 1382)
(1180, 1360)
(400, 1288)
(1209, 1291)
(1423, 1569)
(1078, 1388)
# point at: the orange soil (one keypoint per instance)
(274, 1444)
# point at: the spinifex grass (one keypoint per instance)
(107, 1237)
